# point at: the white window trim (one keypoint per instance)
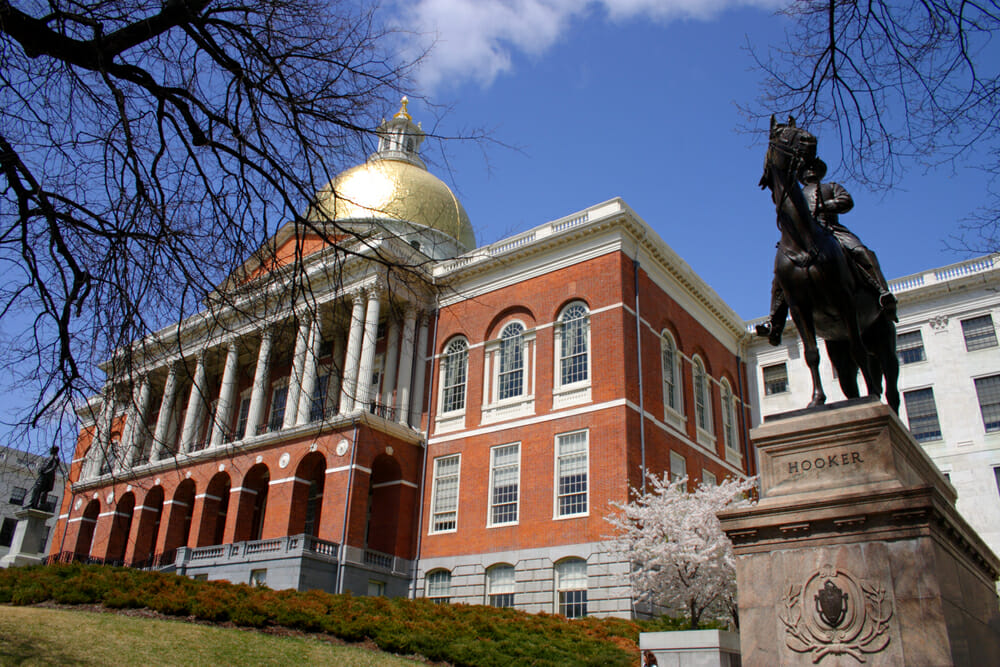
(452, 420)
(494, 409)
(489, 489)
(706, 436)
(673, 415)
(729, 409)
(905, 417)
(558, 582)
(488, 581)
(572, 393)
(555, 482)
(673, 473)
(458, 492)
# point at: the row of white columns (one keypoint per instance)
(354, 391)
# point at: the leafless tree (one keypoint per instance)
(146, 149)
(896, 82)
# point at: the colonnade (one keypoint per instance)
(201, 414)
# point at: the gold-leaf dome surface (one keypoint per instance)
(387, 189)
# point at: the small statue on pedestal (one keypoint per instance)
(45, 480)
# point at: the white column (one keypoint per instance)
(102, 431)
(405, 366)
(227, 391)
(310, 370)
(336, 375)
(416, 407)
(135, 422)
(391, 361)
(258, 394)
(364, 389)
(192, 418)
(353, 357)
(295, 377)
(166, 416)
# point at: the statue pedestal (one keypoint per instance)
(855, 552)
(28, 543)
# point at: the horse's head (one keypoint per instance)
(789, 147)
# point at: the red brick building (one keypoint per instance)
(457, 429)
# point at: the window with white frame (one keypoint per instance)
(317, 406)
(671, 369)
(510, 376)
(702, 397)
(921, 413)
(279, 398)
(242, 416)
(505, 477)
(910, 347)
(678, 467)
(438, 586)
(571, 587)
(571, 473)
(444, 497)
(729, 417)
(775, 379)
(573, 345)
(454, 373)
(979, 333)
(500, 586)
(708, 478)
(988, 392)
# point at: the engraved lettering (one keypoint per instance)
(806, 465)
(793, 468)
(820, 463)
(843, 459)
(832, 460)
(856, 457)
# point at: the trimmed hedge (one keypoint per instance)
(473, 635)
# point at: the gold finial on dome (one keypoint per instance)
(403, 113)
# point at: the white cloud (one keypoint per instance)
(475, 39)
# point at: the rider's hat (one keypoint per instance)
(817, 166)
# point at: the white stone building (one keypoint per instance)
(949, 379)
(17, 474)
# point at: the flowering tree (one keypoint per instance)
(681, 560)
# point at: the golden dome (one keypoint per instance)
(388, 189)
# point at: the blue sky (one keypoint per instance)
(638, 99)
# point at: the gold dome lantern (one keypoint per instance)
(394, 185)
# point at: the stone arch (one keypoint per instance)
(251, 508)
(150, 515)
(383, 517)
(88, 521)
(214, 509)
(179, 521)
(121, 526)
(305, 513)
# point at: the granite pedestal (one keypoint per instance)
(855, 553)
(29, 539)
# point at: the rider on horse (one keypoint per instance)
(826, 210)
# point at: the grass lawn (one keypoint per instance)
(41, 636)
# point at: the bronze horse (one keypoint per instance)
(825, 295)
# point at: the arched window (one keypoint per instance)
(728, 417)
(439, 586)
(571, 587)
(574, 334)
(511, 376)
(670, 368)
(702, 400)
(454, 371)
(500, 586)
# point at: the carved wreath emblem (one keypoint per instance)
(835, 613)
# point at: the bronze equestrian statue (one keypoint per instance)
(833, 290)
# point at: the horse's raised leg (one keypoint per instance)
(807, 332)
(839, 352)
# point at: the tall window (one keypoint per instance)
(500, 586)
(979, 333)
(317, 407)
(678, 466)
(244, 414)
(511, 377)
(505, 473)
(573, 346)
(444, 499)
(988, 391)
(439, 586)
(571, 587)
(921, 412)
(702, 397)
(775, 379)
(17, 495)
(729, 417)
(455, 368)
(571, 473)
(671, 372)
(279, 397)
(910, 347)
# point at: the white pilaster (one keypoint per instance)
(416, 407)
(310, 370)
(295, 378)
(135, 422)
(101, 441)
(227, 392)
(353, 358)
(258, 394)
(405, 366)
(166, 416)
(391, 361)
(366, 365)
(196, 399)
